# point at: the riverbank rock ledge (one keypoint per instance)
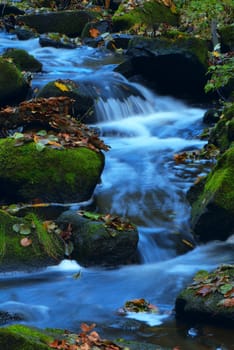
(209, 297)
(99, 243)
(212, 215)
(50, 175)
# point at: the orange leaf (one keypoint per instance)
(86, 328)
(94, 32)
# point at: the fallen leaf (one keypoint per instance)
(86, 328)
(94, 33)
(229, 302)
(25, 242)
(61, 86)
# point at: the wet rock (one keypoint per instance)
(70, 23)
(83, 107)
(13, 87)
(212, 215)
(209, 297)
(46, 41)
(212, 115)
(175, 66)
(97, 243)
(51, 175)
(25, 34)
(23, 60)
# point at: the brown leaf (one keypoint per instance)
(204, 290)
(229, 302)
(86, 328)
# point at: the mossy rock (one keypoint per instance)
(222, 134)
(44, 248)
(23, 60)
(212, 215)
(70, 23)
(13, 87)
(149, 14)
(207, 299)
(52, 175)
(20, 337)
(98, 243)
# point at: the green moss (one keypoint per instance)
(23, 338)
(220, 181)
(50, 243)
(150, 14)
(11, 81)
(219, 187)
(44, 248)
(23, 60)
(51, 175)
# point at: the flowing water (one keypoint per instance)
(142, 182)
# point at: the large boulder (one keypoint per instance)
(13, 87)
(51, 175)
(70, 23)
(171, 65)
(101, 240)
(209, 297)
(26, 244)
(212, 214)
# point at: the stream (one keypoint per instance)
(142, 182)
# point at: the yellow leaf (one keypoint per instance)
(216, 54)
(61, 86)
